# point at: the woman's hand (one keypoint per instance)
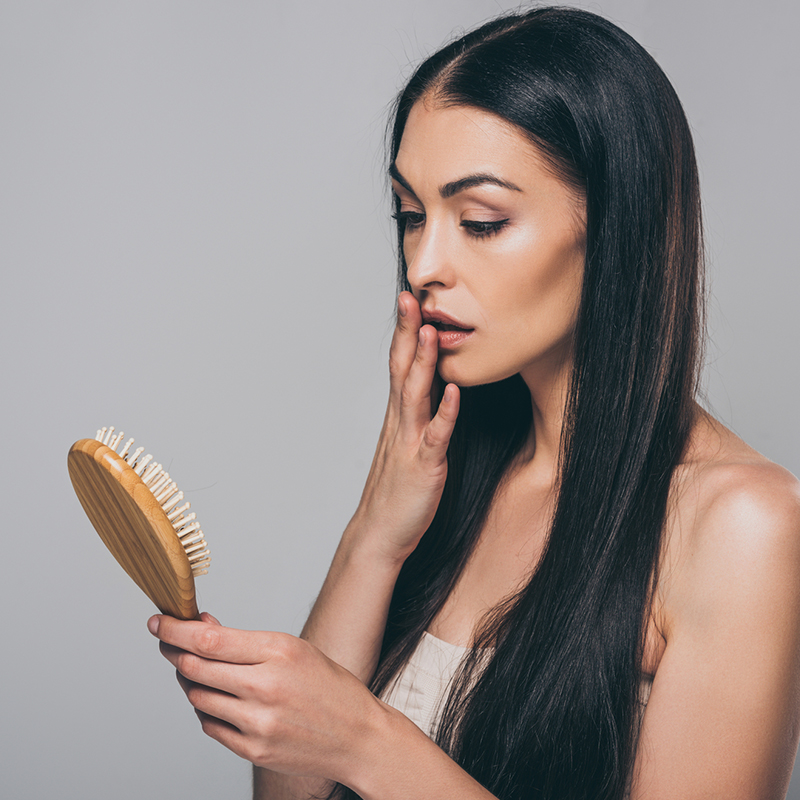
(280, 703)
(408, 471)
(271, 698)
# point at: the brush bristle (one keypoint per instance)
(165, 490)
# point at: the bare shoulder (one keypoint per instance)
(734, 526)
(723, 715)
(736, 487)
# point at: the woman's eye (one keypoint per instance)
(409, 219)
(481, 229)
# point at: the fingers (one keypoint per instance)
(415, 399)
(199, 670)
(404, 343)
(210, 701)
(212, 641)
(218, 714)
(226, 734)
(412, 367)
(437, 435)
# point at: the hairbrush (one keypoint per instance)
(136, 508)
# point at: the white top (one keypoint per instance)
(421, 687)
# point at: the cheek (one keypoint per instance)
(528, 298)
(543, 295)
(535, 308)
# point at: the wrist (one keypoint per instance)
(387, 734)
(349, 617)
(364, 537)
(395, 760)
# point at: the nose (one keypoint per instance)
(428, 264)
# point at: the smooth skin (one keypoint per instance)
(723, 643)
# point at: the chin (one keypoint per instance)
(464, 376)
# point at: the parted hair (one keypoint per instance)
(553, 711)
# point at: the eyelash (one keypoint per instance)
(482, 230)
(477, 229)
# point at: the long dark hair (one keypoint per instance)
(553, 713)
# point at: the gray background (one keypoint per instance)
(195, 248)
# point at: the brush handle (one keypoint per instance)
(133, 526)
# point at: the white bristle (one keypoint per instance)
(181, 521)
(131, 459)
(159, 483)
(185, 526)
(191, 534)
(157, 480)
(152, 473)
(171, 503)
(165, 491)
(141, 465)
(164, 495)
(178, 511)
(154, 479)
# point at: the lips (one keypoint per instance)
(452, 332)
(444, 322)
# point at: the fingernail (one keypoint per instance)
(152, 624)
(401, 308)
(422, 335)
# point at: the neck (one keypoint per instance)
(548, 384)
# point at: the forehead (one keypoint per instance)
(456, 140)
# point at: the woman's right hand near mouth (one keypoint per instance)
(402, 493)
(408, 472)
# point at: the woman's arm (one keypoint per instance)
(401, 495)
(724, 713)
(346, 623)
(399, 501)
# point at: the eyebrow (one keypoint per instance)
(460, 185)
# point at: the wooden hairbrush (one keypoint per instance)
(136, 508)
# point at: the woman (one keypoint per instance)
(611, 578)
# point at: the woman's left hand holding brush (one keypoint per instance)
(271, 698)
(279, 702)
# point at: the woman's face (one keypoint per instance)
(494, 244)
